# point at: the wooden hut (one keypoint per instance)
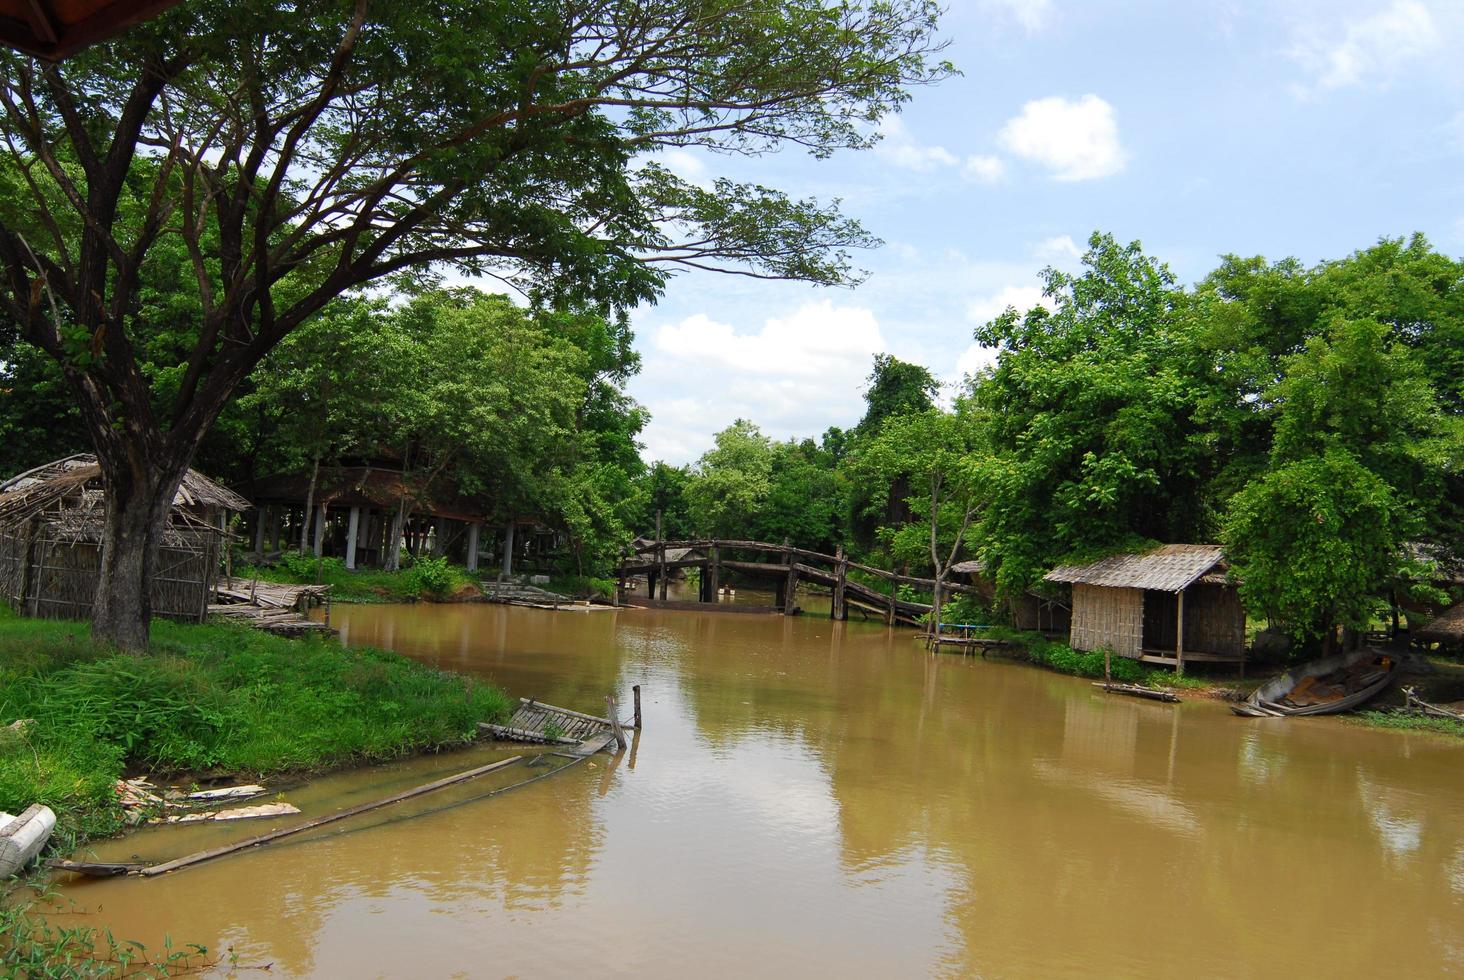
(1028, 612)
(1173, 605)
(1446, 629)
(51, 521)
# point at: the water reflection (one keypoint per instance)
(816, 797)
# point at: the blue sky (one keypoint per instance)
(1288, 128)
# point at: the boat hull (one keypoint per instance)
(1266, 700)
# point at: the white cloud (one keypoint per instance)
(899, 147)
(1074, 140)
(795, 375)
(976, 358)
(686, 165)
(1033, 15)
(1060, 248)
(1372, 47)
(984, 169)
(1022, 298)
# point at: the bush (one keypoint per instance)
(434, 576)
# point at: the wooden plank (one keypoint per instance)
(603, 722)
(274, 835)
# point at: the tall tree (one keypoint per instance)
(293, 151)
(895, 388)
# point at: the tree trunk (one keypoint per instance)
(139, 501)
(309, 504)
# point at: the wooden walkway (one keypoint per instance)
(789, 566)
(273, 607)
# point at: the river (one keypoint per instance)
(819, 799)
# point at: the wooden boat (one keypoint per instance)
(1323, 687)
(22, 837)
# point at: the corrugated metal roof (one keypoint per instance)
(1169, 568)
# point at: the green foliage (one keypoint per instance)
(1312, 540)
(208, 698)
(1401, 721)
(434, 576)
(1092, 410)
(363, 585)
(896, 388)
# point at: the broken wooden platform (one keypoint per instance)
(274, 607)
(546, 724)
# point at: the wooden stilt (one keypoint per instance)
(635, 691)
(1179, 634)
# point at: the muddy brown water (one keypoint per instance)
(820, 799)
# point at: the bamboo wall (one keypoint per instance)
(49, 578)
(1104, 617)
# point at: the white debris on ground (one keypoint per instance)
(143, 802)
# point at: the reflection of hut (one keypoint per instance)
(1167, 606)
(51, 522)
(1445, 629)
(1029, 611)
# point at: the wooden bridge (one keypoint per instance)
(785, 566)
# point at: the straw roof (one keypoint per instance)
(1447, 626)
(1170, 568)
(78, 480)
(973, 567)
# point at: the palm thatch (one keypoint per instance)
(1447, 627)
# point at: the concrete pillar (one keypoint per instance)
(260, 517)
(319, 532)
(351, 529)
(508, 550)
(473, 546)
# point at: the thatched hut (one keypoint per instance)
(1169, 606)
(1445, 629)
(51, 522)
(1029, 611)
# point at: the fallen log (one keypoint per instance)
(1137, 691)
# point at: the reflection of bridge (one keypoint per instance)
(874, 591)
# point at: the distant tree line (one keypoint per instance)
(1310, 418)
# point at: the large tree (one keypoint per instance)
(293, 151)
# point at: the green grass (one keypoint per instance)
(1412, 723)
(1037, 649)
(432, 579)
(215, 699)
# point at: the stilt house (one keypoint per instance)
(51, 522)
(1173, 605)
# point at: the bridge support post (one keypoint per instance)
(838, 610)
(790, 588)
(661, 563)
(714, 574)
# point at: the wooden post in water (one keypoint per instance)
(661, 566)
(894, 591)
(715, 570)
(1179, 635)
(837, 609)
(790, 587)
(614, 715)
(635, 691)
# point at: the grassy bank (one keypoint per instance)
(431, 579)
(1411, 723)
(207, 700)
(1036, 649)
